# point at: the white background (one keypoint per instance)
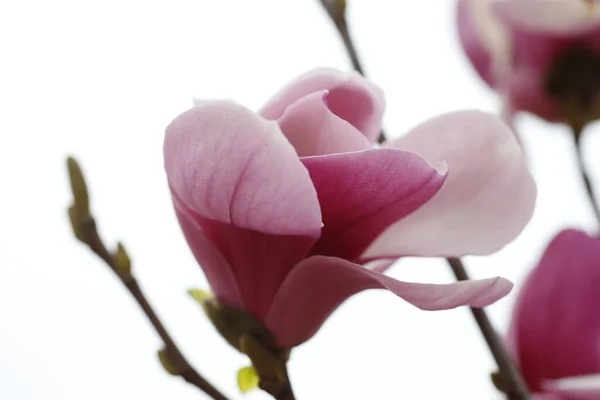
(101, 80)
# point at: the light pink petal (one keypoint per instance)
(230, 165)
(543, 30)
(351, 97)
(218, 271)
(363, 193)
(313, 129)
(486, 201)
(380, 265)
(586, 387)
(550, 17)
(473, 40)
(556, 323)
(318, 285)
(250, 264)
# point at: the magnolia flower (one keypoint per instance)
(290, 211)
(543, 56)
(555, 330)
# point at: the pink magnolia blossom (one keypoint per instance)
(516, 44)
(555, 330)
(291, 210)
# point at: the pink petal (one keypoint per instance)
(486, 201)
(230, 165)
(526, 90)
(318, 285)
(363, 193)
(476, 37)
(254, 262)
(313, 129)
(556, 17)
(351, 97)
(381, 265)
(218, 272)
(586, 387)
(542, 30)
(556, 323)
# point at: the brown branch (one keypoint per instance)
(513, 383)
(86, 231)
(516, 387)
(336, 9)
(585, 176)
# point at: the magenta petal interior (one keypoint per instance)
(256, 262)
(218, 271)
(557, 304)
(318, 285)
(363, 193)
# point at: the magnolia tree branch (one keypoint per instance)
(336, 9)
(513, 384)
(584, 175)
(511, 381)
(84, 227)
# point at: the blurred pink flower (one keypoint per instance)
(555, 330)
(516, 46)
(291, 211)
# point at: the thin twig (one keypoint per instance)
(336, 9)
(516, 389)
(288, 393)
(86, 231)
(512, 381)
(176, 358)
(342, 27)
(584, 175)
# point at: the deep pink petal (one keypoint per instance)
(556, 323)
(313, 129)
(249, 264)
(218, 271)
(351, 97)
(318, 285)
(363, 193)
(486, 201)
(230, 165)
(526, 91)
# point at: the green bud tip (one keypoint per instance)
(78, 187)
(166, 363)
(122, 261)
(247, 379)
(200, 295)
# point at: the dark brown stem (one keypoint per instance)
(342, 26)
(584, 175)
(286, 396)
(513, 383)
(338, 16)
(288, 393)
(176, 358)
